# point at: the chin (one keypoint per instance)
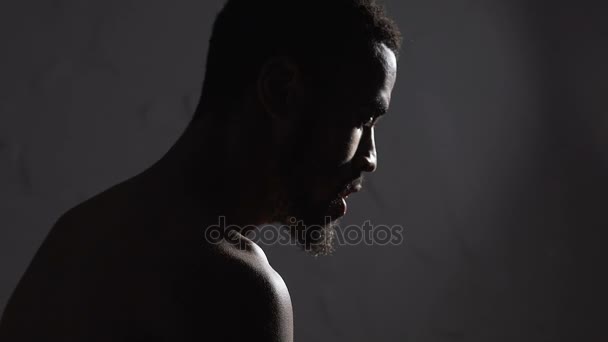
(314, 239)
(312, 230)
(309, 216)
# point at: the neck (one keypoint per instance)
(212, 172)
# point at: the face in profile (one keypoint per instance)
(333, 146)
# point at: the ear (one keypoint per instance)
(276, 86)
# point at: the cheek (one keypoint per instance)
(319, 162)
(347, 144)
(329, 144)
(337, 146)
(323, 147)
(342, 145)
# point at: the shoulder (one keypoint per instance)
(236, 291)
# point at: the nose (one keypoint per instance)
(366, 159)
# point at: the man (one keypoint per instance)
(283, 133)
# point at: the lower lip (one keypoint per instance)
(338, 208)
(342, 205)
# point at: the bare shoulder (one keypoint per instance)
(236, 295)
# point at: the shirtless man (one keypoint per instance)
(284, 131)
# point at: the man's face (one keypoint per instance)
(333, 145)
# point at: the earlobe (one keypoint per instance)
(275, 86)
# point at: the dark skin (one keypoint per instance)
(132, 264)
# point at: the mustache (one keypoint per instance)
(356, 184)
(351, 186)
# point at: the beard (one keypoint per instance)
(308, 224)
(296, 205)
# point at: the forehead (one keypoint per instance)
(368, 76)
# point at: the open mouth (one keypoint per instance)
(338, 206)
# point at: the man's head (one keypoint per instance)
(315, 76)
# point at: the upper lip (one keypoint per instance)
(349, 189)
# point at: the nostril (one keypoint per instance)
(369, 165)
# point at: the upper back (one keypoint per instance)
(117, 268)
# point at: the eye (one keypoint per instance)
(367, 116)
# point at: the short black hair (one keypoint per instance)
(246, 33)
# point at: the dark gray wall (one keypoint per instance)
(492, 159)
